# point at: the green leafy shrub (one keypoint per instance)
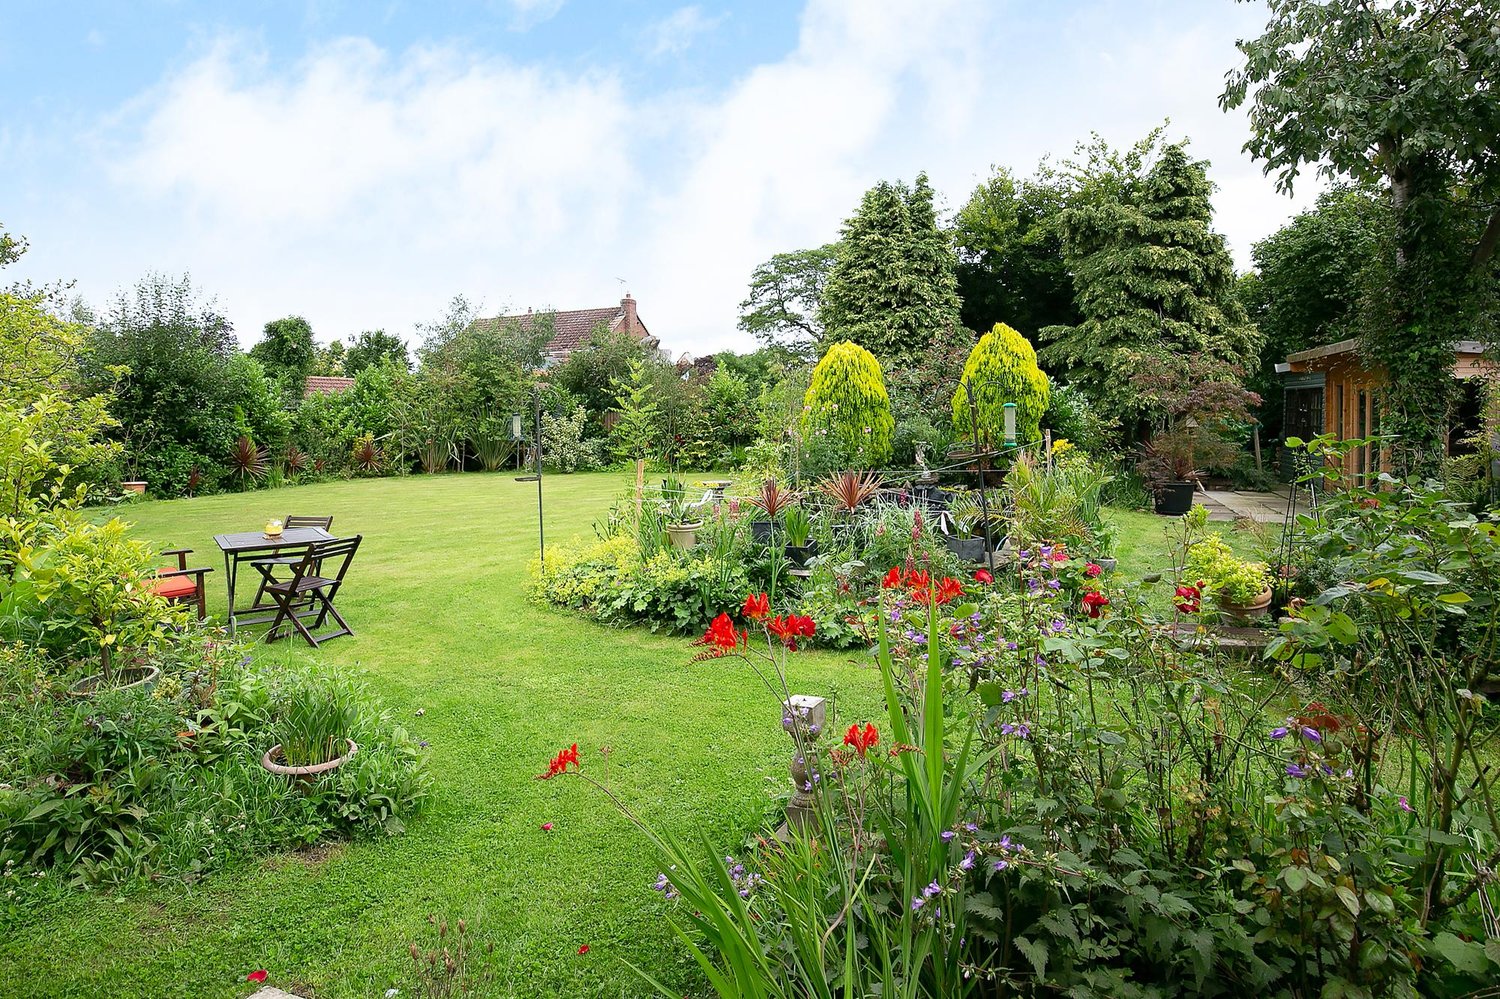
(847, 404)
(565, 444)
(1235, 579)
(1001, 368)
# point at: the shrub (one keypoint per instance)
(1071, 417)
(846, 402)
(1001, 368)
(1236, 580)
(564, 445)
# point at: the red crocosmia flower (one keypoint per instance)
(948, 589)
(892, 579)
(256, 976)
(862, 739)
(984, 576)
(757, 606)
(1188, 599)
(584, 949)
(790, 628)
(1094, 603)
(917, 579)
(721, 636)
(1092, 569)
(559, 764)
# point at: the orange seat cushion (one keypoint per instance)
(173, 587)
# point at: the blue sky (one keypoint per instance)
(360, 163)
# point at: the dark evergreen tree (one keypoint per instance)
(893, 289)
(1154, 282)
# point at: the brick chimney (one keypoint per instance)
(632, 324)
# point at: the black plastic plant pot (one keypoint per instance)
(799, 555)
(1173, 499)
(762, 531)
(968, 549)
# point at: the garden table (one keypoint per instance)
(247, 546)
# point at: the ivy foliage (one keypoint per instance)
(847, 405)
(1399, 95)
(1153, 281)
(1002, 368)
(893, 288)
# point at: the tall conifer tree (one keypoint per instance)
(1155, 284)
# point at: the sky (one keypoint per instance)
(360, 162)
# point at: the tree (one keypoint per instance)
(370, 348)
(1311, 280)
(892, 289)
(1153, 281)
(786, 295)
(183, 393)
(328, 360)
(287, 353)
(1010, 255)
(847, 405)
(1400, 95)
(637, 433)
(1001, 369)
(591, 373)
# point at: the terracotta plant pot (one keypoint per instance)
(684, 535)
(1247, 612)
(128, 678)
(134, 487)
(304, 773)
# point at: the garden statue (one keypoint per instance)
(803, 718)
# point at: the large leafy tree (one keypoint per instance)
(1402, 95)
(183, 393)
(591, 374)
(1311, 281)
(893, 287)
(287, 352)
(786, 294)
(1154, 281)
(1010, 261)
(370, 348)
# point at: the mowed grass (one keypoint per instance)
(437, 598)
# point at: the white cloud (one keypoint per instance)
(676, 33)
(528, 13)
(362, 188)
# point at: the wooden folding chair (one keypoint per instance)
(309, 584)
(267, 566)
(182, 585)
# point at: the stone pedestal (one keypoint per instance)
(803, 718)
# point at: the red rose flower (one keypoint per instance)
(984, 576)
(1094, 603)
(1188, 599)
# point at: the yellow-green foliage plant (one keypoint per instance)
(1002, 368)
(846, 402)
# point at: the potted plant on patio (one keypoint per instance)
(682, 526)
(1242, 588)
(800, 547)
(773, 501)
(1167, 464)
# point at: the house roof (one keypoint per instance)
(571, 328)
(325, 383)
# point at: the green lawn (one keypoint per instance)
(444, 626)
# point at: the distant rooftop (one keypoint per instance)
(323, 384)
(571, 328)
